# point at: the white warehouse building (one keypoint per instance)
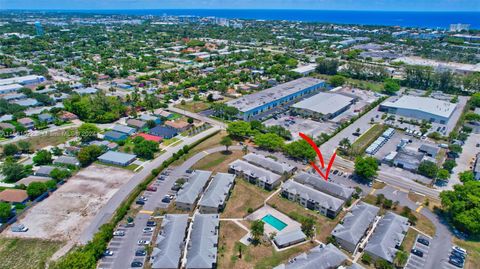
(421, 108)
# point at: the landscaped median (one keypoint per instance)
(85, 257)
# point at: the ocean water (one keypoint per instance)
(388, 18)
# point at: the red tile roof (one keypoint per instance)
(150, 137)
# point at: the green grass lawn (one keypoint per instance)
(368, 138)
(194, 106)
(170, 141)
(26, 253)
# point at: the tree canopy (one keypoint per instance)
(97, 108)
(366, 167)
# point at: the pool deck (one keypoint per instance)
(265, 210)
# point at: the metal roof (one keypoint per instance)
(254, 100)
(193, 187)
(356, 223)
(325, 103)
(319, 257)
(388, 233)
(323, 199)
(202, 249)
(170, 242)
(118, 157)
(217, 191)
(423, 104)
(123, 129)
(320, 184)
(269, 163)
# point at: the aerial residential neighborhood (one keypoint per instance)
(134, 137)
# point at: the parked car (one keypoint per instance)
(458, 256)
(129, 224)
(147, 230)
(456, 263)
(19, 228)
(459, 249)
(151, 223)
(140, 252)
(151, 188)
(108, 252)
(143, 242)
(136, 264)
(189, 171)
(118, 233)
(176, 187)
(417, 252)
(423, 241)
(457, 260)
(143, 198)
(140, 202)
(166, 199)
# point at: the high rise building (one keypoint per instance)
(38, 28)
(458, 27)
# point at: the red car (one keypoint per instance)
(151, 188)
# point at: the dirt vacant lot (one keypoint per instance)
(64, 214)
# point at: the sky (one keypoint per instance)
(385, 5)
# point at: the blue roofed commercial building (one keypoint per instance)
(252, 106)
(202, 247)
(421, 108)
(170, 242)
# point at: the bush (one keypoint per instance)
(35, 189)
(367, 259)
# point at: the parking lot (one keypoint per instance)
(414, 261)
(306, 126)
(124, 247)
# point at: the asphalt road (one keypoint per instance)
(107, 211)
(197, 116)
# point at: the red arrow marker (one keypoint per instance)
(320, 156)
(314, 146)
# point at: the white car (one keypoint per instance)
(459, 249)
(118, 233)
(147, 230)
(143, 242)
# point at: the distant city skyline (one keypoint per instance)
(364, 5)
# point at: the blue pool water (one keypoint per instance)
(274, 222)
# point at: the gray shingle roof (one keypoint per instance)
(123, 129)
(170, 242)
(269, 163)
(217, 191)
(191, 189)
(289, 237)
(320, 257)
(389, 232)
(66, 160)
(320, 184)
(356, 223)
(202, 250)
(255, 171)
(308, 193)
(114, 135)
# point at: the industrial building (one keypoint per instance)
(253, 105)
(324, 105)
(25, 80)
(421, 108)
(305, 69)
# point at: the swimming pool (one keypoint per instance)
(274, 222)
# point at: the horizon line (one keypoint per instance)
(298, 9)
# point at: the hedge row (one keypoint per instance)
(85, 257)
